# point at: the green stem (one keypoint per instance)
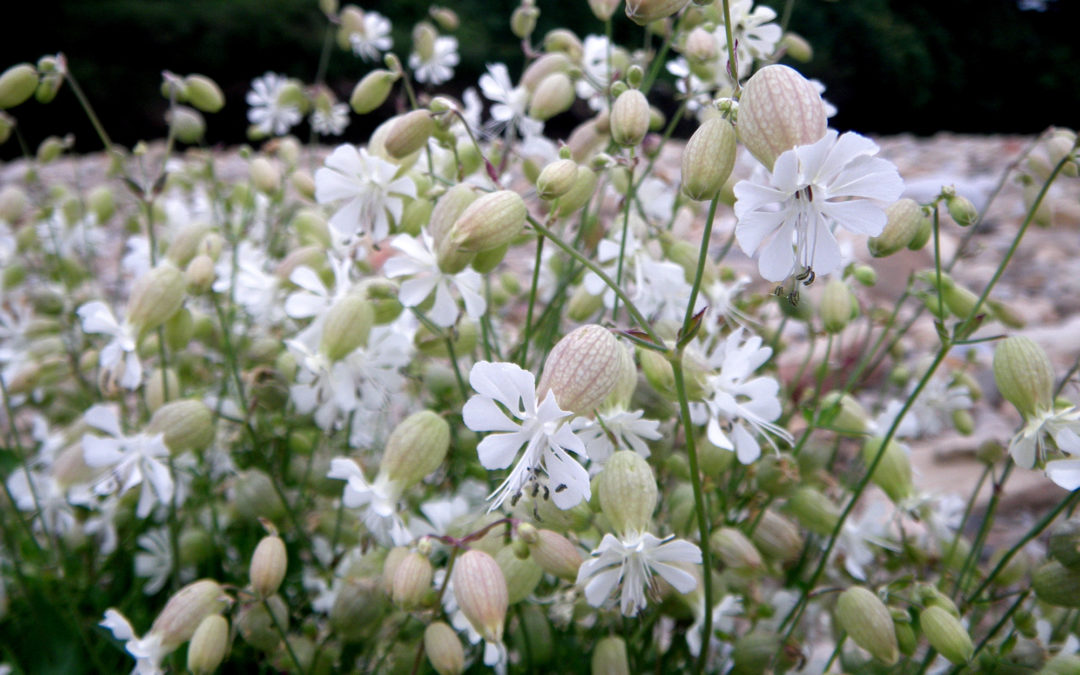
(532, 301)
(703, 257)
(284, 638)
(89, 110)
(625, 229)
(968, 508)
(733, 64)
(994, 631)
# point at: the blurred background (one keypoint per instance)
(920, 66)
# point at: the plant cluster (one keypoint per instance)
(465, 397)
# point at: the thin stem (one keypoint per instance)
(284, 638)
(532, 300)
(625, 229)
(733, 64)
(994, 631)
(89, 110)
(703, 256)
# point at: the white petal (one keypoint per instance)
(481, 414)
(497, 451)
(1064, 472)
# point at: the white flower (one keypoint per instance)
(697, 92)
(723, 309)
(1029, 446)
(250, 284)
(324, 387)
(267, 112)
(154, 561)
(374, 195)
(540, 429)
(378, 499)
(118, 358)
(511, 103)
(419, 262)
(373, 38)
(722, 620)
(133, 460)
(330, 121)
(813, 188)
(438, 67)
(632, 562)
(754, 34)
(613, 430)
(38, 492)
(748, 406)
(596, 75)
(149, 651)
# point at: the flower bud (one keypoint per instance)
(779, 110)
(521, 574)
(580, 193)
(582, 369)
(700, 46)
(17, 84)
(946, 634)
(412, 580)
(446, 18)
(644, 12)
(736, 551)
(586, 140)
(186, 610)
(348, 323)
(409, 133)
(13, 203)
(187, 425)
(905, 219)
(1064, 543)
(204, 93)
(51, 148)
(265, 175)
(357, 609)
(1056, 584)
(566, 42)
(554, 553)
(443, 649)
(268, 565)
(481, 593)
(603, 9)
(208, 645)
(756, 650)
(556, 179)
(609, 657)
(630, 118)
(157, 295)
(1023, 375)
(200, 274)
(554, 95)
(372, 91)
(837, 306)
(796, 46)
(7, 123)
(814, 510)
(416, 447)
(257, 625)
(850, 416)
(627, 492)
(538, 70)
(868, 623)
(893, 472)
(777, 537)
(254, 497)
(523, 21)
(708, 159)
(961, 209)
(489, 222)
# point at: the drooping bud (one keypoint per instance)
(1064, 543)
(582, 369)
(265, 175)
(609, 657)
(17, 84)
(1023, 375)
(946, 634)
(893, 472)
(481, 593)
(961, 209)
(208, 645)
(204, 93)
(905, 219)
(348, 323)
(409, 133)
(258, 625)
(736, 551)
(850, 416)
(416, 447)
(756, 650)
(521, 574)
(187, 425)
(554, 95)
(157, 295)
(186, 610)
(797, 47)
(489, 222)
(777, 537)
(523, 20)
(708, 159)
(1057, 585)
(627, 492)
(538, 70)
(779, 109)
(412, 580)
(553, 553)
(868, 623)
(587, 139)
(643, 12)
(603, 9)
(357, 609)
(372, 91)
(200, 274)
(556, 179)
(837, 305)
(268, 565)
(443, 649)
(445, 17)
(584, 187)
(630, 118)
(814, 510)
(565, 41)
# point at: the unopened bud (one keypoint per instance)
(412, 580)
(17, 84)
(348, 323)
(893, 472)
(538, 70)
(603, 9)
(777, 537)
(554, 95)
(905, 219)
(409, 133)
(492, 220)
(630, 118)
(850, 416)
(186, 610)
(797, 47)
(1057, 585)
(208, 645)
(200, 274)
(204, 93)
(643, 12)
(962, 210)
(756, 650)
(523, 21)
(708, 159)
(868, 623)
(814, 510)
(1024, 376)
(779, 109)
(521, 574)
(566, 42)
(357, 609)
(443, 649)
(1064, 543)
(837, 305)
(372, 91)
(481, 593)
(586, 140)
(584, 187)
(157, 295)
(609, 657)
(627, 492)
(254, 497)
(582, 369)
(13, 203)
(554, 554)
(700, 45)
(268, 565)
(556, 179)
(736, 551)
(51, 148)
(187, 425)
(265, 175)
(416, 447)
(259, 625)
(946, 634)
(446, 18)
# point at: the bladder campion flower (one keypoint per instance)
(368, 183)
